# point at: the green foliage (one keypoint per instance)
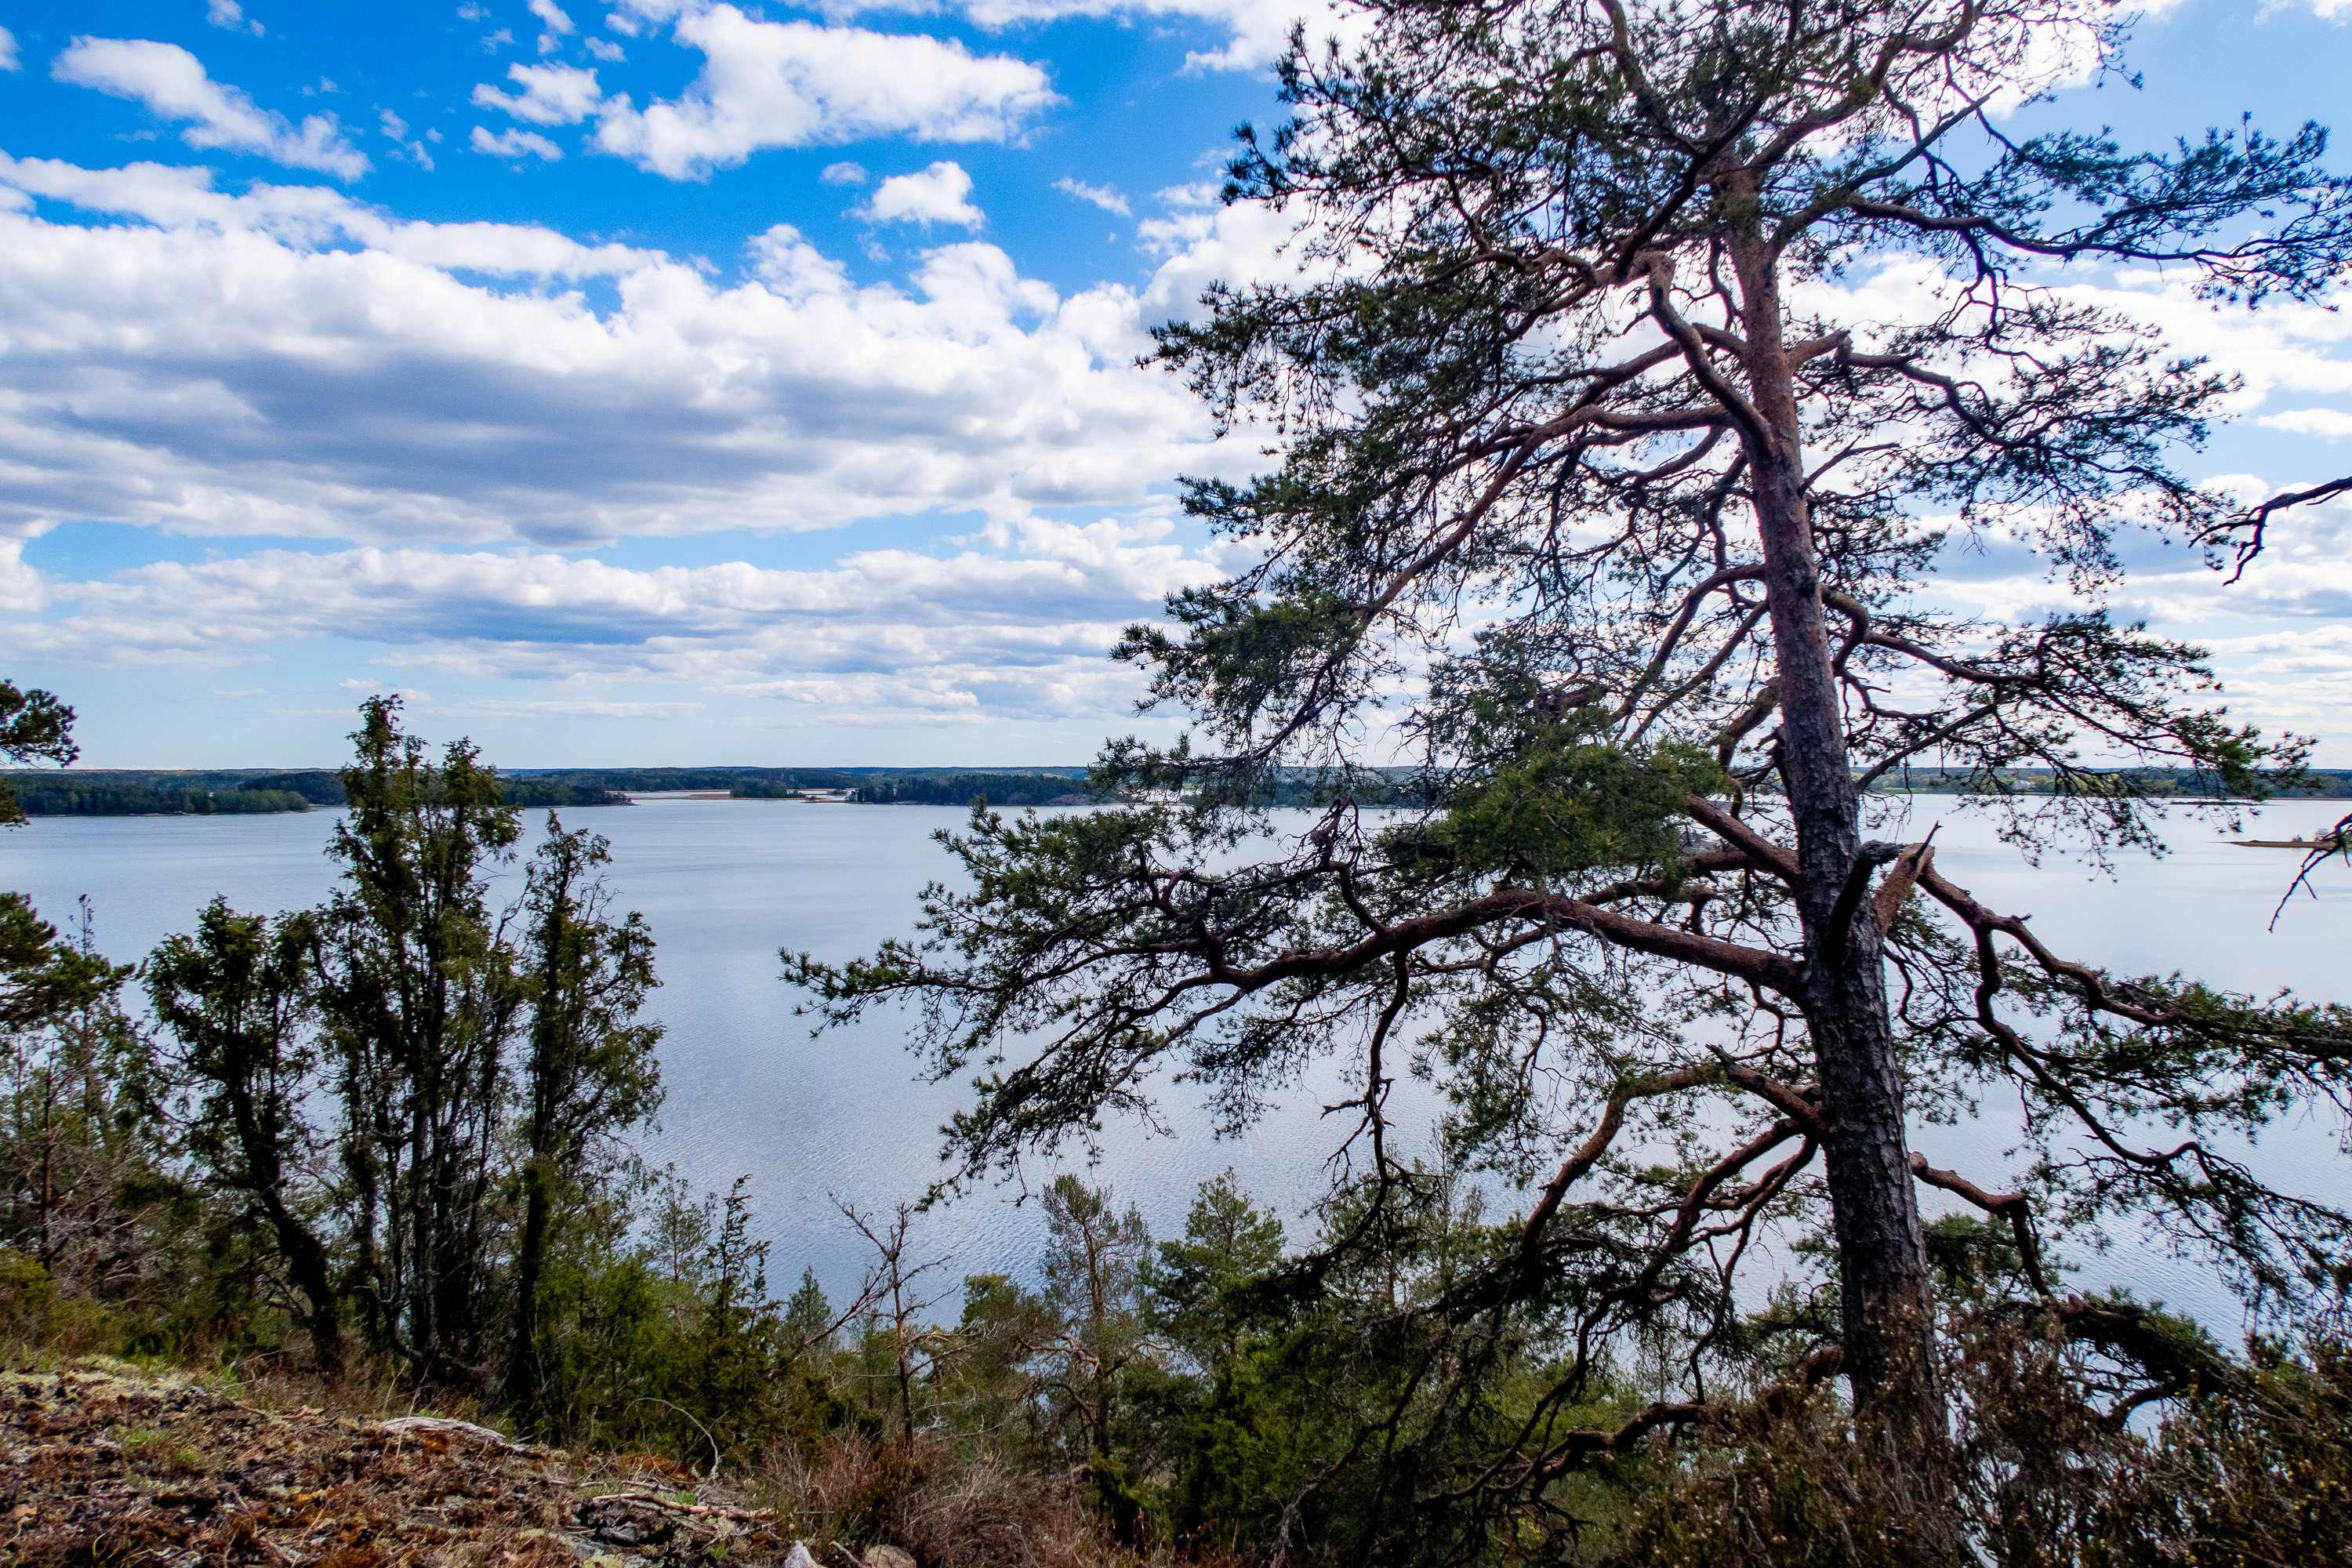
(588, 1074)
(1191, 1285)
(2253, 1472)
(701, 1363)
(82, 1188)
(238, 996)
(420, 998)
(1565, 804)
(968, 789)
(1093, 1292)
(2258, 1475)
(34, 725)
(27, 1295)
(319, 786)
(42, 978)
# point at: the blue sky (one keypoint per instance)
(662, 381)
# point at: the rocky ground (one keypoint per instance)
(101, 1468)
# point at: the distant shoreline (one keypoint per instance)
(240, 792)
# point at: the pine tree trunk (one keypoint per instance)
(1873, 1207)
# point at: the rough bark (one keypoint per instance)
(1873, 1207)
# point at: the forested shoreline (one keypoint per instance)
(168, 793)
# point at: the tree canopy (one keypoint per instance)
(1643, 362)
(34, 727)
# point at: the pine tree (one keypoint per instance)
(1602, 496)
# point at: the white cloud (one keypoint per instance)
(1200, 244)
(513, 142)
(297, 219)
(289, 361)
(604, 50)
(552, 95)
(1014, 624)
(1254, 30)
(1104, 196)
(794, 84)
(934, 196)
(411, 148)
(498, 40)
(23, 590)
(174, 86)
(843, 175)
(2332, 423)
(228, 14)
(558, 25)
(8, 60)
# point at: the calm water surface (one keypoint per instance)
(727, 883)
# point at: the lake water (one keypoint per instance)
(727, 883)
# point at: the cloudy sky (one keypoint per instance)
(670, 381)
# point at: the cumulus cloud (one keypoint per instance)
(1016, 622)
(844, 173)
(299, 219)
(8, 60)
(1104, 196)
(2332, 423)
(23, 590)
(2281, 634)
(287, 361)
(1199, 242)
(796, 84)
(515, 143)
(174, 86)
(935, 196)
(229, 15)
(558, 25)
(552, 95)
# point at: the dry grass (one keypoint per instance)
(945, 1508)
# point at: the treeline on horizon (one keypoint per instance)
(236, 792)
(242, 791)
(2316, 783)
